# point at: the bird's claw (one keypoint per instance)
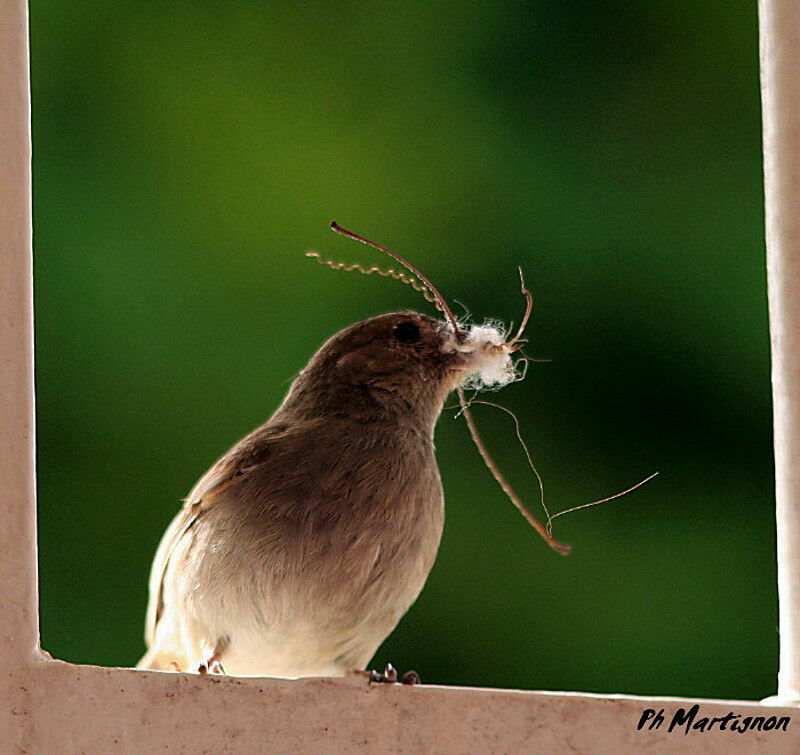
(211, 666)
(390, 676)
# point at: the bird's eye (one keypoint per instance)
(406, 332)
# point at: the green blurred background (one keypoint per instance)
(188, 153)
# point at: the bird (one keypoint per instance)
(297, 553)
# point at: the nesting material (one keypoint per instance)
(488, 357)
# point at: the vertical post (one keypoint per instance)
(780, 88)
(19, 621)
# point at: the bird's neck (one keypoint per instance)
(364, 405)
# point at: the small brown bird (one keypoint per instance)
(298, 552)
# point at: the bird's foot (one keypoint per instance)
(212, 666)
(390, 676)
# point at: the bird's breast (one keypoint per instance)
(329, 557)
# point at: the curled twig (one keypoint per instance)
(390, 273)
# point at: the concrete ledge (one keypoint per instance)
(56, 707)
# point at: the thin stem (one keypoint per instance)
(504, 484)
(528, 309)
(405, 263)
(525, 450)
(605, 500)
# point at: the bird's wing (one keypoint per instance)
(173, 535)
(230, 469)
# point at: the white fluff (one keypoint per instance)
(488, 359)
